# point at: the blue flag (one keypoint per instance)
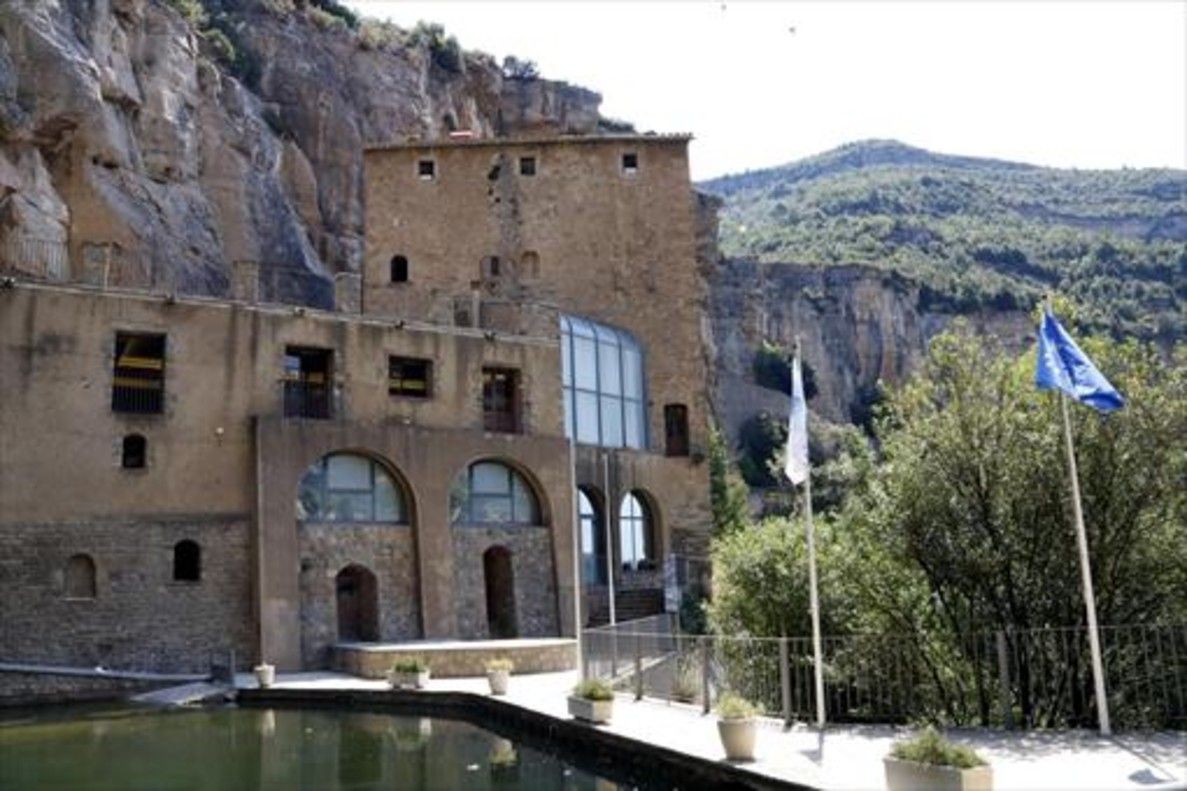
(1062, 366)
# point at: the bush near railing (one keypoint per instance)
(1032, 678)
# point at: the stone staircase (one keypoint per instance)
(628, 606)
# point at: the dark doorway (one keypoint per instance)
(500, 593)
(358, 604)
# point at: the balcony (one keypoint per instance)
(312, 400)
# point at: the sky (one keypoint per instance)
(759, 83)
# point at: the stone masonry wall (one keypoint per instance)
(140, 618)
(388, 551)
(532, 568)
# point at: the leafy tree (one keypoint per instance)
(727, 492)
(772, 370)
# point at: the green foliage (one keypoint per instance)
(772, 370)
(929, 747)
(412, 664)
(336, 10)
(760, 438)
(727, 493)
(593, 689)
(692, 612)
(444, 49)
(977, 234)
(516, 69)
(735, 707)
(193, 11)
(379, 34)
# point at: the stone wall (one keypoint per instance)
(140, 618)
(388, 551)
(21, 689)
(534, 576)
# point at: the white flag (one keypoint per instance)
(796, 465)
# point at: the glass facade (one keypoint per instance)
(348, 488)
(490, 493)
(604, 387)
(593, 541)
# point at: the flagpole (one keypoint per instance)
(1098, 674)
(813, 598)
(1098, 671)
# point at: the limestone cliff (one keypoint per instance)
(858, 325)
(129, 153)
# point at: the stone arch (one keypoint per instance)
(356, 595)
(593, 521)
(498, 574)
(405, 501)
(640, 543)
(79, 581)
(461, 480)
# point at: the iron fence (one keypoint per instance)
(1029, 678)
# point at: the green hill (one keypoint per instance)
(977, 233)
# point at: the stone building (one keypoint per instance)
(520, 367)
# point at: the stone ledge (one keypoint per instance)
(458, 659)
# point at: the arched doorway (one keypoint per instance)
(593, 538)
(358, 604)
(500, 593)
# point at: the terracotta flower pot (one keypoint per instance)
(738, 737)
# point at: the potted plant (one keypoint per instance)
(498, 673)
(736, 726)
(265, 675)
(504, 760)
(931, 761)
(592, 700)
(409, 673)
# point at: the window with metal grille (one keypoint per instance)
(138, 386)
(308, 382)
(527, 166)
(408, 376)
(500, 400)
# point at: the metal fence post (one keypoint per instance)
(638, 666)
(704, 641)
(1003, 673)
(785, 680)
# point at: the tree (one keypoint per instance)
(727, 492)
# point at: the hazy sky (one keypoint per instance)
(1073, 84)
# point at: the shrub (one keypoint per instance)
(593, 689)
(412, 664)
(735, 707)
(495, 665)
(516, 69)
(772, 369)
(446, 53)
(929, 747)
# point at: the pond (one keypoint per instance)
(106, 748)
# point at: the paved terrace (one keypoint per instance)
(843, 756)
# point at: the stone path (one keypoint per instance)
(843, 756)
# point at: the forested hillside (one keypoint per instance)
(977, 234)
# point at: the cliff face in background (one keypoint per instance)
(125, 146)
(858, 325)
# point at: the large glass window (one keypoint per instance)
(636, 541)
(490, 493)
(593, 541)
(343, 487)
(602, 370)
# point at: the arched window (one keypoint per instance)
(529, 265)
(80, 577)
(345, 487)
(593, 541)
(135, 452)
(187, 561)
(602, 372)
(399, 272)
(490, 493)
(636, 534)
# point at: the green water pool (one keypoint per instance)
(234, 748)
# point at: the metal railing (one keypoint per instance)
(1032, 678)
(42, 258)
(307, 400)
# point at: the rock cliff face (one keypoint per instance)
(127, 153)
(858, 325)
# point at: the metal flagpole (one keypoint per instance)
(813, 599)
(1098, 673)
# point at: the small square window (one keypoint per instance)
(527, 166)
(408, 376)
(630, 163)
(426, 169)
